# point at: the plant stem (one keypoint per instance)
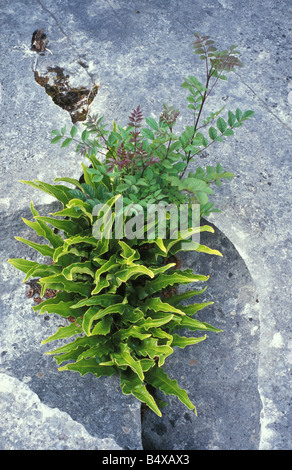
(189, 156)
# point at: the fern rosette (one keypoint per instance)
(111, 290)
(119, 292)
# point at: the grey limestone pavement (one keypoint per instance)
(138, 52)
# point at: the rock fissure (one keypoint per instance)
(73, 90)
(75, 100)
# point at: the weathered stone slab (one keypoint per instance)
(141, 51)
(27, 423)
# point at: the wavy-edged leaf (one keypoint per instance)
(73, 181)
(59, 282)
(174, 323)
(64, 332)
(133, 315)
(61, 308)
(132, 385)
(68, 226)
(105, 213)
(45, 250)
(100, 351)
(59, 192)
(69, 356)
(78, 268)
(190, 245)
(159, 379)
(146, 364)
(150, 347)
(63, 258)
(162, 269)
(161, 334)
(160, 249)
(103, 327)
(42, 270)
(133, 331)
(156, 320)
(83, 341)
(85, 207)
(103, 300)
(88, 318)
(23, 265)
(164, 280)
(124, 358)
(60, 252)
(97, 347)
(106, 267)
(59, 297)
(85, 366)
(135, 271)
(159, 242)
(183, 341)
(192, 309)
(43, 230)
(192, 324)
(102, 284)
(94, 313)
(101, 248)
(128, 253)
(176, 299)
(208, 250)
(193, 230)
(76, 239)
(72, 212)
(157, 305)
(184, 235)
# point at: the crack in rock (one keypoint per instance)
(75, 100)
(69, 83)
